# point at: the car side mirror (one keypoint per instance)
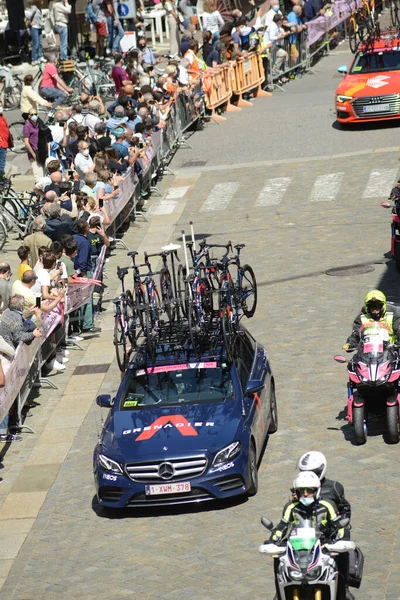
(104, 400)
(253, 386)
(343, 69)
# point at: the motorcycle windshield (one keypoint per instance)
(303, 538)
(375, 345)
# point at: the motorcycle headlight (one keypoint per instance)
(314, 573)
(340, 98)
(108, 465)
(295, 574)
(227, 453)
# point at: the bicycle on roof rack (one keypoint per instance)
(181, 318)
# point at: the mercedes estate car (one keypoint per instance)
(186, 429)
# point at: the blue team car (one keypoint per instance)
(186, 428)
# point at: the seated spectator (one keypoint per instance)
(58, 224)
(24, 288)
(92, 118)
(5, 285)
(83, 161)
(118, 73)
(23, 255)
(52, 86)
(119, 118)
(37, 238)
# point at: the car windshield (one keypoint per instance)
(371, 62)
(190, 383)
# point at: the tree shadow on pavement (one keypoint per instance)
(165, 511)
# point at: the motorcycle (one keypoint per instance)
(374, 384)
(307, 567)
(395, 225)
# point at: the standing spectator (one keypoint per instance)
(146, 55)
(52, 86)
(207, 44)
(5, 285)
(34, 21)
(275, 33)
(82, 133)
(83, 267)
(295, 22)
(268, 17)
(5, 142)
(194, 65)
(70, 250)
(43, 285)
(37, 239)
(101, 27)
(31, 140)
(57, 224)
(30, 98)
(97, 238)
(92, 118)
(23, 255)
(61, 12)
(83, 161)
(119, 147)
(118, 73)
(173, 24)
(115, 30)
(212, 20)
(118, 119)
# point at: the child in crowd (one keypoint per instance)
(23, 255)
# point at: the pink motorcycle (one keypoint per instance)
(374, 385)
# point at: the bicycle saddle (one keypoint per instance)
(121, 272)
(132, 253)
(240, 246)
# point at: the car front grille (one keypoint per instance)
(385, 106)
(173, 469)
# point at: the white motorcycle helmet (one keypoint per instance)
(313, 461)
(309, 480)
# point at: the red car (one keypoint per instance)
(370, 90)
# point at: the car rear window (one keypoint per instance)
(190, 383)
(371, 62)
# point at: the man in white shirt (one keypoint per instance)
(92, 117)
(275, 33)
(59, 129)
(83, 161)
(268, 18)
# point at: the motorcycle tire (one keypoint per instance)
(360, 428)
(397, 254)
(392, 422)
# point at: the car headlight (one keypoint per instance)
(340, 98)
(227, 453)
(108, 465)
(314, 573)
(294, 574)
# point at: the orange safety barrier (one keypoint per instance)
(217, 87)
(248, 76)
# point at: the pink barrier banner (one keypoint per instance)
(23, 360)
(79, 294)
(341, 10)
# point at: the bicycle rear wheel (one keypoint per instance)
(12, 96)
(3, 234)
(120, 342)
(16, 132)
(248, 298)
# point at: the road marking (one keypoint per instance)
(380, 183)
(326, 187)
(273, 191)
(167, 205)
(220, 196)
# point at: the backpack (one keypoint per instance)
(90, 14)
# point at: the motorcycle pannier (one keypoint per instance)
(356, 567)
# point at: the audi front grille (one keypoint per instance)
(385, 106)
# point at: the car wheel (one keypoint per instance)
(273, 424)
(253, 472)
